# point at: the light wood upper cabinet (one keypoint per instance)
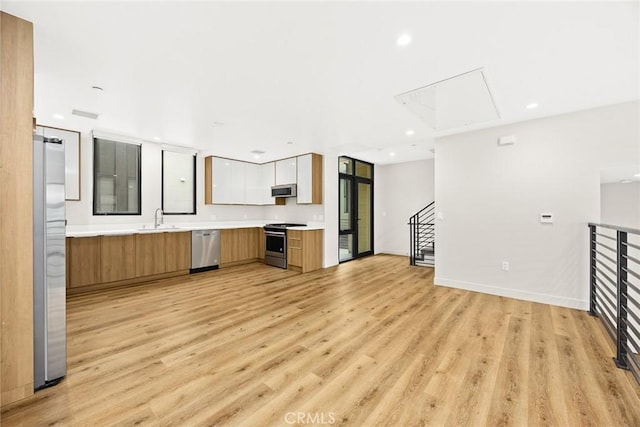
(309, 179)
(177, 251)
(150, 254)
(286, 170)
(16, 219)
(305, 250)
(117, 258)
(84, 258)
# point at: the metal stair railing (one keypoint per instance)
(422, 236)
(614, 289)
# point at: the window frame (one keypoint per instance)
(195, 185)
(95, 180)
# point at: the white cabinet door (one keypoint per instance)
(267, 180)
(237, 182)
(252, 194)
(304, 179)
(221, 181)
(286, 170)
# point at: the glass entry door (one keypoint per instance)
(355, 209)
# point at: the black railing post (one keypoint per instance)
(621, 309)
(592, 274)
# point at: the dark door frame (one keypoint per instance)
(353, 208)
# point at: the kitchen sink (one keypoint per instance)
(162, 227)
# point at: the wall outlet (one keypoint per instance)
(505, 265)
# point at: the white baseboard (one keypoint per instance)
(513, 293)
(393, 253)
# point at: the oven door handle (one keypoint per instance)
(275, 233)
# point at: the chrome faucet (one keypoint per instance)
(157, 222)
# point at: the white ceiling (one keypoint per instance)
(322, 75)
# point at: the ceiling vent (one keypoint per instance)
(455, 102)
(86, 114)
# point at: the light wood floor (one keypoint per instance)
(371, 342)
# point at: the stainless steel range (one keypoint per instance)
(275, 245)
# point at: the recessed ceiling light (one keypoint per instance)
(403, 40)
(392, 154)
(409, 132)
(532, 106)
(626, 181)
(256, 156)
(637, 175)
(58, 116)
(157, 138)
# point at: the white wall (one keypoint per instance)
(401, 190)
(81, 212)
(491, 198)
(620, 204)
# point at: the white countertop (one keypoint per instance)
(138, 228)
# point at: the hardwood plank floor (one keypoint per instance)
(370, 342)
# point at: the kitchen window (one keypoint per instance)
(116, 178)
(178, 183)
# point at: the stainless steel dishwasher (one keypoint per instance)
(205, 250)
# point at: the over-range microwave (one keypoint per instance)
(286, 190)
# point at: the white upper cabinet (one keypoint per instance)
(309, 179)
(252, 194)
(267, 179)
(233, 182)
(221, 181)
(286, 171)
(226, 181)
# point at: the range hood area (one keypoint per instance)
(286, 190)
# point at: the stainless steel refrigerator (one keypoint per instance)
(49, 292)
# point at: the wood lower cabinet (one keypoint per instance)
(117, 258)
(150, 254)
(107, 261)
(177, 251)
(240, 244)
(304, 250)
(83, 260)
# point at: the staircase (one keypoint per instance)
(422, 229)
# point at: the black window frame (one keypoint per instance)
(95, 180)
(195, 185)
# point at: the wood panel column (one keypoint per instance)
(16, 208)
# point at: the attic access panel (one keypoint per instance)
(458, 101)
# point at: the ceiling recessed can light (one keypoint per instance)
(637, 175)
(58, 116)
(256, 156)
(409, 132)
(532, 106)
(626, 181)
(403, 40)
(157, 138)
(392, 154)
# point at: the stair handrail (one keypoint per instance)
(421, 231)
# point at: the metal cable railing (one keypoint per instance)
(615, 289)
(422, 236)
